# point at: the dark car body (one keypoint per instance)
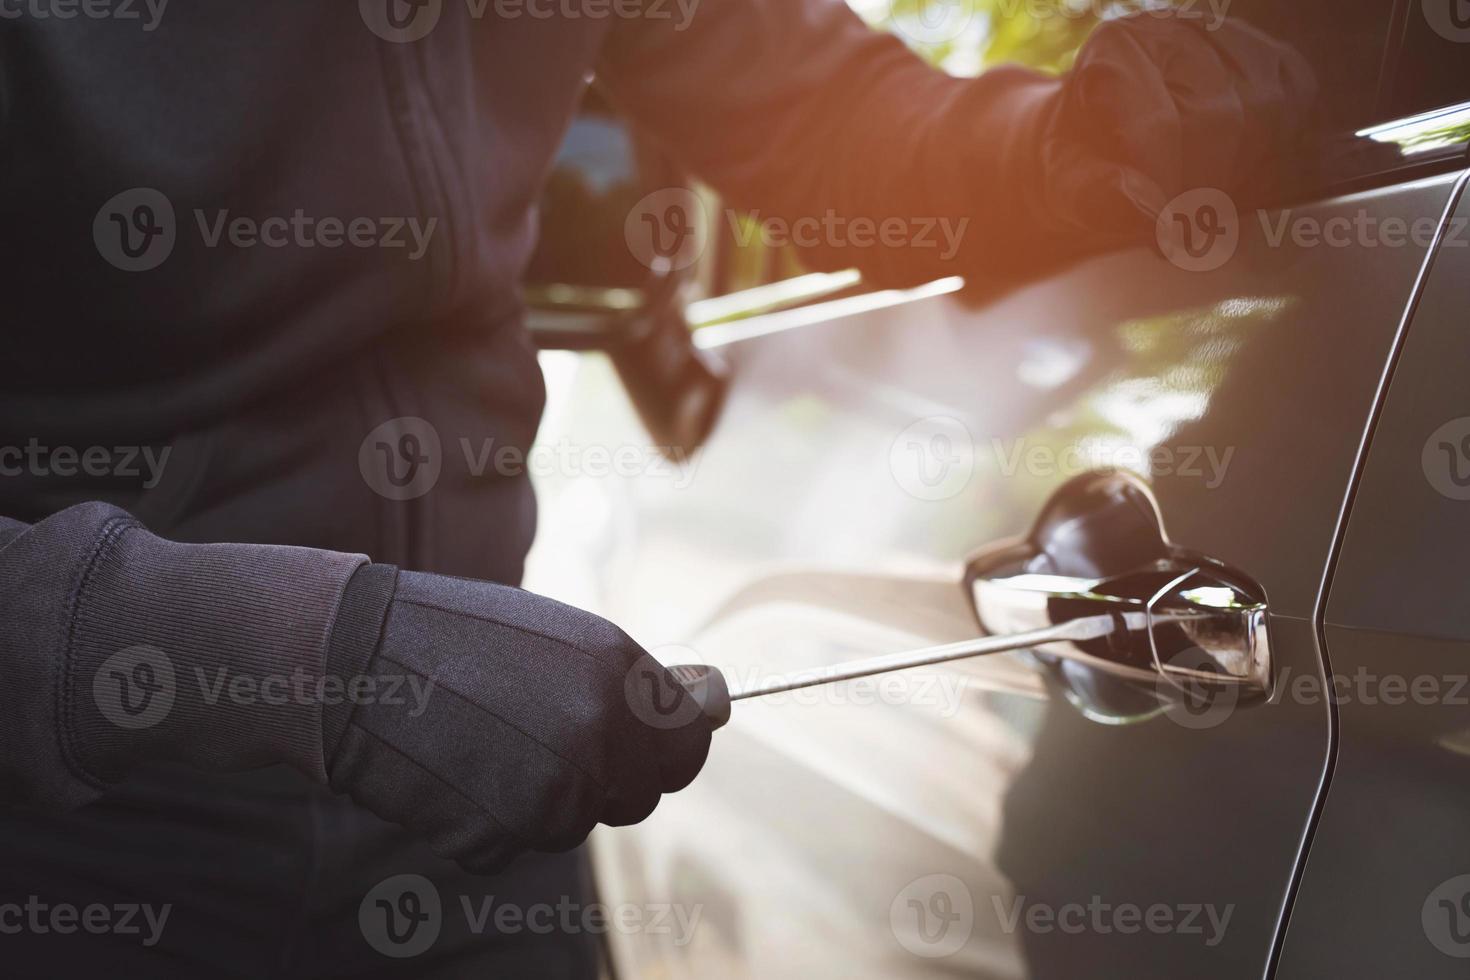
(1296, 412)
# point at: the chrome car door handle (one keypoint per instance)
(1154, 610)
(1184, 626)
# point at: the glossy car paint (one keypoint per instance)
(1391, 855)
(826, 520)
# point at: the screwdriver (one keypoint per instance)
(712, 692)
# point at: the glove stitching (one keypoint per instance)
(71, 753)
(507, 722)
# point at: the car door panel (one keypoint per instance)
(1386, 888)
(860, 459)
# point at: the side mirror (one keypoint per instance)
(587, 290)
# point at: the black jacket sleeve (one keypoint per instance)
(119, 645)
(486, 719)
(797, 110)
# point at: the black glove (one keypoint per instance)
(528, 722)
(486, 719)
(1063, 168)
(1156, 106)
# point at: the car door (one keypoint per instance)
(1386, 884)
(995, 817)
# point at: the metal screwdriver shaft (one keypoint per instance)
(1088, 628)
(714, 697)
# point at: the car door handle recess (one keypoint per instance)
(1171, 626)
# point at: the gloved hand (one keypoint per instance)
(539, 720)
(1154, 106)
(485, 719)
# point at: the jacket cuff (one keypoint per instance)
(355, 639)
(213, 655)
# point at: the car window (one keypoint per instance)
(1345, 43)
(1430, 70)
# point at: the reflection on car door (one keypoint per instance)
(973, 820)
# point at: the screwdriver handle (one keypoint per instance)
(708, 688)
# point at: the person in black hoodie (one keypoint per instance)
(242, 242)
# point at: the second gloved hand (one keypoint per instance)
(530, 722)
